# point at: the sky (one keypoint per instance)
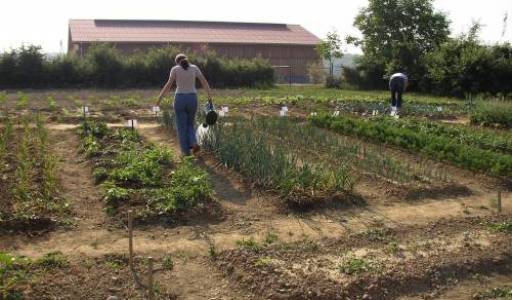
(45, 23)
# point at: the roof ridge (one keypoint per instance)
(186, 21)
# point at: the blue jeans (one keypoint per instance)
(185, 107)
(397, 87)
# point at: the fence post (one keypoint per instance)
(499, 202)
(290, 76)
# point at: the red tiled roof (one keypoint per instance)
(188, 32)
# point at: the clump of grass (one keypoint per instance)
(52, 260)
(263, 261)
(376, 234)
(495, 293)
(52, 104)
(392, 248)
(212, 251)
(351, 265)
(505, 227)
(116, 261)
(167, 263)
(249, 244)
(22, 100)
(270, 238)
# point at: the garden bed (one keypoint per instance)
(30, 199)
(144, 177)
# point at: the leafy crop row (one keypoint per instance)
(493, 114)
(134, 173)
(476, 137)
(435, 144)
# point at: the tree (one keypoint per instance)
(330, 49)
(464, 66)
(396, 34)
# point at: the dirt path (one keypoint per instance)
(76, 181)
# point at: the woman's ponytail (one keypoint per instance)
(182, 60)
(184, 64)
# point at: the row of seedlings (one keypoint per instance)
(28, 175)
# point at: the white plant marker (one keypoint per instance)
(283, 113)
(155, 109)
(336, 113)
(439, 108)
(132, 123)
(284, 108)
(222, 113)
(375, 112)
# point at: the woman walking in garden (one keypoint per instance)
(185, 102)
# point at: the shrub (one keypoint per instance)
(317, 73)
(332, 82)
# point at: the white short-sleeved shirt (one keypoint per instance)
(185, 79)
(401, 75)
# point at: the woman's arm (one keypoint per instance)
(167, 87)
(204, 83)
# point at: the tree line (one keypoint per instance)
(105, 66)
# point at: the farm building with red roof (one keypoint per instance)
(290, 48)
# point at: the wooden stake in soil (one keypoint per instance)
(130, 238)
(150, 278)
(499, 202)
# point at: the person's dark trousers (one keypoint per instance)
(185, 107)
(397, 86)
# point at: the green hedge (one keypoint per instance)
(434, 144)
(104, 66)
